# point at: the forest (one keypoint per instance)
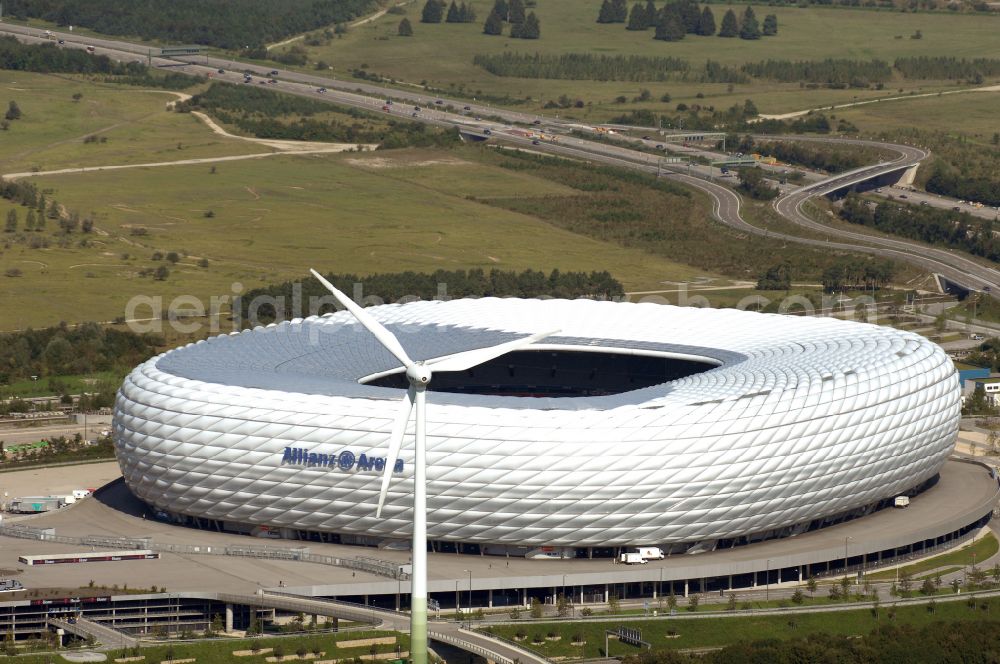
(64, 350)
(948, 181)
(265, 113)
(957, 230)
(392, 287)
(222, 23)
(831, 158)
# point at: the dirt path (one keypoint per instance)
(286, 146)
(368, 19)
(280, 147)
(796, 114)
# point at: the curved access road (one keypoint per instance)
(953, 265)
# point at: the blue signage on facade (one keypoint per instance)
(345, 460)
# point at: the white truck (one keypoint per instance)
(902, 501)
(650, 552)
(632, 558)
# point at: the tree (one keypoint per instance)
(454, 16)
(811, 585)
(731, 604)
(749, 27)
(651, 13)
(614, 604)
(672, 599)
(13, 111)
(77, 96)
(493, 25)
(770, 25)
(845, 588)
(928, 587)
(433, 12)
(405, 29)
(531, 28)
(536, 608)
(30, 223)
(692, 603)
(606, 14)
(777, 277)
(706, 25)
(637, 18)
(515, 14)
(173, 256)
(797, 596)
(670, 27)
(730, 28)
(161, 273)
(11, 221)
(562, 605)
(620, 10)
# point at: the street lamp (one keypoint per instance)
(767, 581)
(846, 540)
(470, 588)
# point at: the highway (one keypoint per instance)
(499, 125)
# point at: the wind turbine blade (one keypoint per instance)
(471, 358)
(384, 336)
(395, 443)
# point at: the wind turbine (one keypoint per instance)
(419, 375)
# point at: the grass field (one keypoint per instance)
(570, 26)
(709, 632)
(973, 113)
(981, 550)
(379, 212)
(51, 132)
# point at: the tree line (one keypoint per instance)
(64, 350)
(222, 23)
(947, 67)
(957, 230)
(678, 18)
(580, 66)
(846, 274)
(970, 186)
(588, 66)
(833, 73)
(435, 11)
(265, 113)
(50, 59)
(392, 287)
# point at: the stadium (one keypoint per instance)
(636, 424)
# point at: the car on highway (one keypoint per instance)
(413, 114)
(62, 41)
(660, 147)
(903, 196)
(416, 108)
(956, 208)
(924, 203)
(388, 102)
(487, 132)
(385, 108)
(274, 72)
(466, 108)
(645, 138)
(321, 90)
(438, 102)
(221, 71)
(537, 122)
(536, 142)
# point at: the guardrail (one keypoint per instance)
(375, 566)
(470, 647)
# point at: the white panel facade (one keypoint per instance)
(803, 418)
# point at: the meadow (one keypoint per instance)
(132, 125)
(262, 222)
(441, 54)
